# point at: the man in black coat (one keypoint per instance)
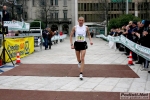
(5, 14)
(145, 42)
(140, 30)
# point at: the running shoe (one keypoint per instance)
(81, 77)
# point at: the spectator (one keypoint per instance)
(57, 35)
(45, 37)
(111, 32)
(134, 38)
(17, 33)
(5, 14)
(145, 42)
(92, 33)
(50, 35)
(126, 35)
(139, 34)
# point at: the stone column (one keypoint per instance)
(136, 8)
(76, 12)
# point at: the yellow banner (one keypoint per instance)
(24, 46)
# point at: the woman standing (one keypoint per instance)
(50, 35)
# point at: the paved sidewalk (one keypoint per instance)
(61, 53)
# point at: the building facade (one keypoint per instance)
(94, 11)
(58, 14)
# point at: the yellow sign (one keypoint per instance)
(24, 46)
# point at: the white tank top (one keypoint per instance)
(80, 33)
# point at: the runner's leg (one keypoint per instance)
(78, 56)
(83, 52)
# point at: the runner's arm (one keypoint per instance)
(71, 34)
(88, 32)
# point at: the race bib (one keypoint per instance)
(80, 38)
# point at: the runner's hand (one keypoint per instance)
(72, 47)
(91, 43)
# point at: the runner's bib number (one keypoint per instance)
(80, 38)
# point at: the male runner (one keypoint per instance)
(80, 44)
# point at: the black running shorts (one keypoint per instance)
(80, 45)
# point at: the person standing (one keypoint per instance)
(50, 35)
(45, 37)
(5, 14)
(92, 33)
(80, 44)
(145, 42)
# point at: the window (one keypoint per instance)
(93, 7)
(79, 4)
(89, 6)
(96, 6)
(79, 14)
(133, 6)
(51, 15)
(43, 2)
(56, 2)
(82, 6)
(65, 14)
(90, 17)
(85, 18)
(85, 7)
(56, 15)
(25, 2)
(51, 2)
(149, 6)
(65, 2)
(33, 3)
(112, 6)
(25, 15)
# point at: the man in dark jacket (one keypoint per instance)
(5, 14)
(92, 33)
(134, 38)
(45, 37)
(140, 32)
(145, 42)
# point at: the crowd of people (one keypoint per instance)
(138, 32)
(47, 34)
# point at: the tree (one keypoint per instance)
(43, 11)
(122, 20)
(102, 9)
(37, 24)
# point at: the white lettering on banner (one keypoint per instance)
(10, 22)
(114, 39)
(123, 39)
(130, 43)
(143, 49)
(17, 25)
(140, 50)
